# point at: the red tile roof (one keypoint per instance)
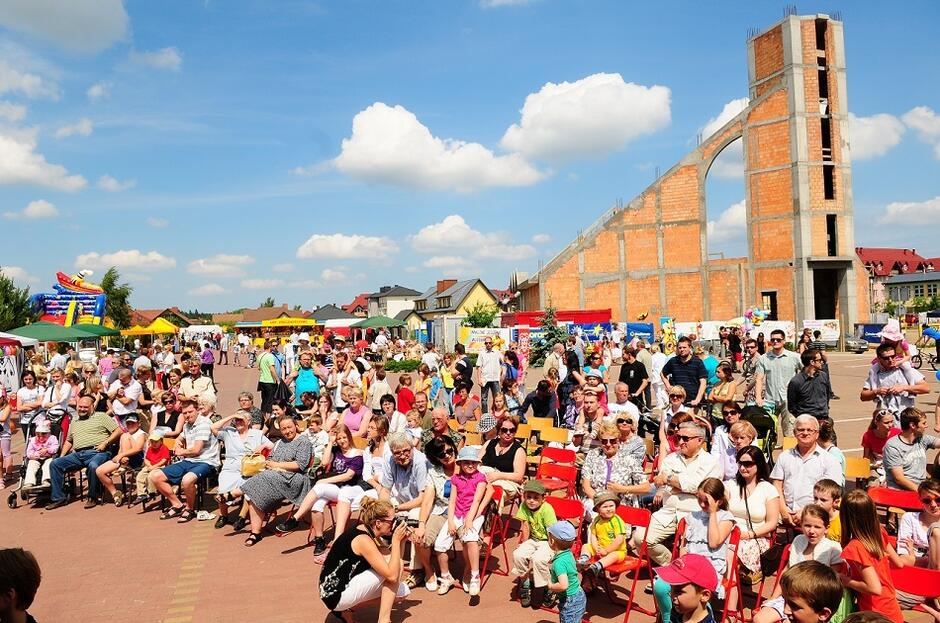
(361, 301)
(144, 317)
(886, 261)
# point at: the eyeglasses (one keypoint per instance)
(402, 452)
(730, 412)
(675, 398)
(507, 430)
(888, 357)
(817, 360)
(687, 438)
(387, 519)
(621, 420)
(776, 339)
(446, 452)
(487, 343)
(928, 500)
(610, 442)
(748, 464)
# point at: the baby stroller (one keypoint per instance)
(59, 421)
(766, 426)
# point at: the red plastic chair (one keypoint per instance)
(557, 455)
(558, 477)
(917, 581)
(731, 581)
(784, 559)
(498, 528)
(635, 518)
(883, 496)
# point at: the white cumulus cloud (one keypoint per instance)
(730, 226)
(594, 116)
(261, 284)
(453, 233)
(209, 289)
(82, 127)
(909, 213)
(445, 261)
(342, 246)
(157, 223)
(284, 267)
(131, 258)
(541, 238)
(113, 185)
(20, 275)
(34, 210)
(12, 112)
(334, 275)
(926, 123)
(20, 164)
(98, 91)
(728, 112)
(873, 136)
(220, 265)
(79, 25)
(18, 80)
(730, 162)
(389, 145)
(305, 284)
(165, 58)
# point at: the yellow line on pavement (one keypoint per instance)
(185, 591)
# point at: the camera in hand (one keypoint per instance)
(399, 520)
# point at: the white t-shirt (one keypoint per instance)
(490, 364)
(757, 501)
(911, 528)
(58, 361)
(827, 551)
(141, 361)
(23, 396)
(132, 391)
(431, 360)
(60, 398)
(615, 409)
(201, 430)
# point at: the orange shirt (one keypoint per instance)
(886, 603)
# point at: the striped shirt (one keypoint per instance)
(91, 431)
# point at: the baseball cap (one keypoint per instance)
(487, 423)
(562, 530)
(534, 486)
(132, 418)
(689, 569)
(304, 337)
(155, 436)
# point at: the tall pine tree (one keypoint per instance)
(551, 335)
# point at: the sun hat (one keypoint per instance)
(43, 427)
(606, 496)
(468, 454)
(562, 530)
(155, 436)
(304, 337)
(892, 331)
(133, 417)
(689, 569)
(534, 486)
(487, 423)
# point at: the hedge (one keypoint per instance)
(405, 365)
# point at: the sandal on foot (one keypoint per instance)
(172, 512)
(253, 538)
(186, 516)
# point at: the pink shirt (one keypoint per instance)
(466, 489)
(51, 445)
(353, 419)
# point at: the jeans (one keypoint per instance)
(89, 458)
(571, 607)
(489, 386)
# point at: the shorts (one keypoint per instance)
(621, 554)
(174, 473)
(433, 527)
(469, 534)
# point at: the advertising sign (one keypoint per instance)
(472, 338)
(590, 332)
(829, 329)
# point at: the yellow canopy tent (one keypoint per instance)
(161, 325)
(136, 330)
(289, 322)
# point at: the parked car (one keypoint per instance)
(852, 344)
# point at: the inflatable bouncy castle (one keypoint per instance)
(74, 301)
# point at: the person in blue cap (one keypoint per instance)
(564, 573)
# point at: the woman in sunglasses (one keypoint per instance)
(442, 454)
(722, 447)
(607, 469)
(504, 458)
(919, 541)
(752, 499)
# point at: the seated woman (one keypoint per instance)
(357, 571)
(279, 409)
(284, 477)
(466, 407)
(919, 541)
(722, 448)
(607, 469)
(239, 440)
(442, 456)
(752, 500)
(345, 470)
(130, 454)
(503, 458)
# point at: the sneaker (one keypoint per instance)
(319, 545)
(464, 586)
(90, 503)
(525, 593)
(474, 586)
(582, 561)
(140, 499)
(287, 526)
(445, 583)
(57, 504)
(550, 600)
(220, 522)
(431, 584)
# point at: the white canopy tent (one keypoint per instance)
(24, 341)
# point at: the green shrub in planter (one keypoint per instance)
(405, 365)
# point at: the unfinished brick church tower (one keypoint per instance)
(651, 255)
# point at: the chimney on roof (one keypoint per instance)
(385, 289)
(443, 284)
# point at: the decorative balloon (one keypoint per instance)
(938, 375)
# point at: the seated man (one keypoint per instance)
(905, 454)
(677, 483)
(89, 435)
(199, 450)
(799, 469)
(196, 385)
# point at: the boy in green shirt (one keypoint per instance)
(533, 555)
(564, 573)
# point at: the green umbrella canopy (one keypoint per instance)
(51, 332)
(96, 329)
(377, 322)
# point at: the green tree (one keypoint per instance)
(551, 334)
(117, 306)
(268, 302)
(481, 315)
(15, 310)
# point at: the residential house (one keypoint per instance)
(414, 322)
(330, 312)
(144, 317)
(359, 306)
(883, 264)
(903, 289)
(449, 297)
(390, 300)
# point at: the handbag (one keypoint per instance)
(769, 558)
(252, 464)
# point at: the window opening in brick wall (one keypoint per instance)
(829, 181)
(821, 26)
(825, 132)
(822, 75)
(769, 302)
(832, 244)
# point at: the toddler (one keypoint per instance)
(828, 494)
(564, 574)
(42, 448)
(318, 437)
(607, 538)
(156, 456)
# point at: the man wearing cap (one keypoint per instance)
(677, 482)
(89, 437)
(892, 383)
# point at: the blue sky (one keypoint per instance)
(222, 152)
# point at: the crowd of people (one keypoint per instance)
(431, 460)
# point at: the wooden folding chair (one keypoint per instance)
(788, 443)
(541, 423)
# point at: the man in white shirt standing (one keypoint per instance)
(490, 367)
